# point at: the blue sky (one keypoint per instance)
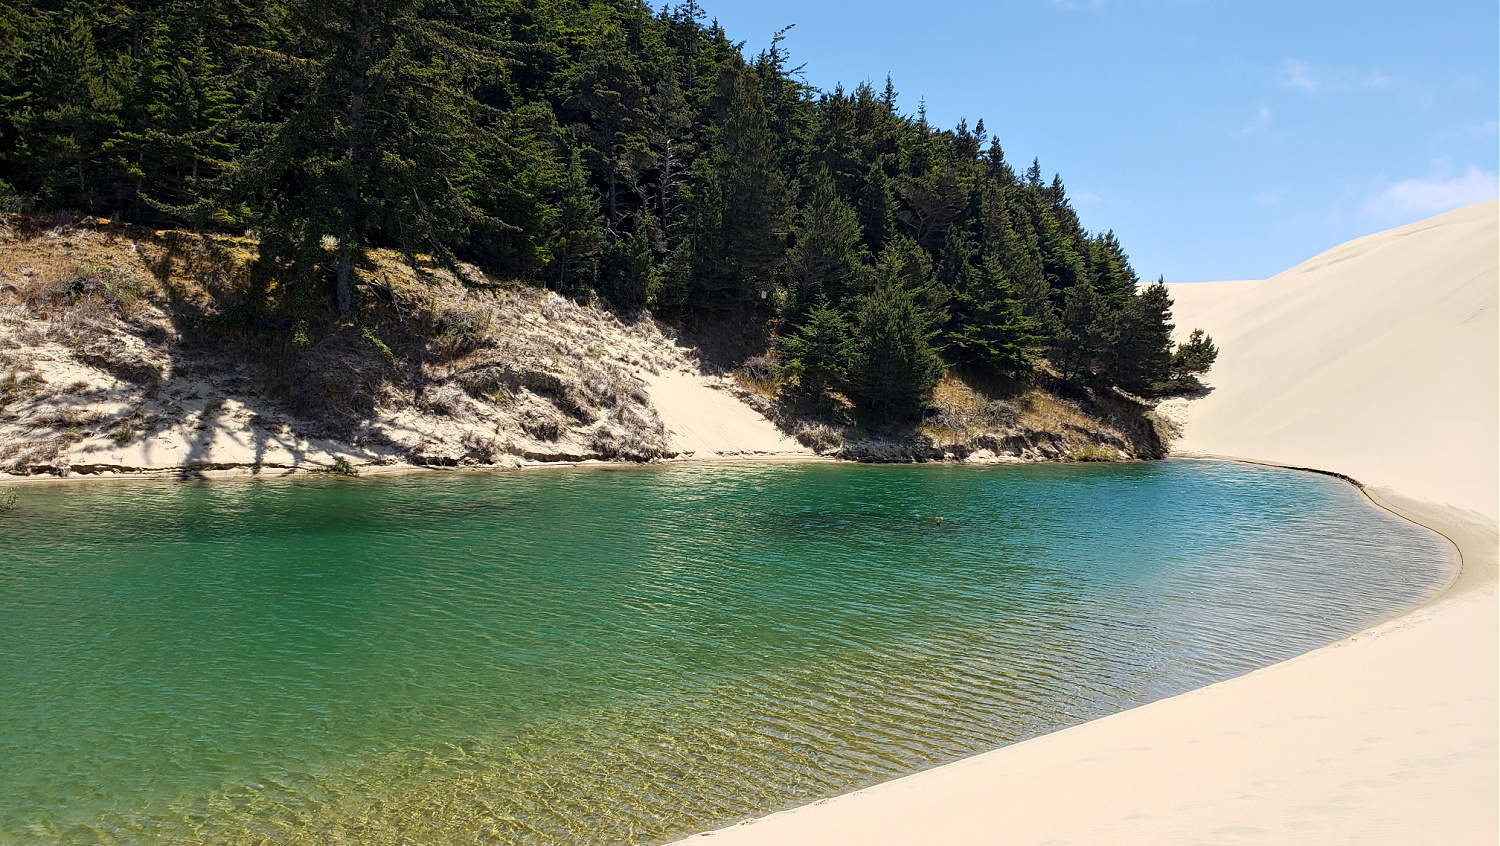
(1220, 140)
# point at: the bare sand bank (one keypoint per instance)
(1377, 360)
(705, 422)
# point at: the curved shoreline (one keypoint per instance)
(1407, 508)
(1378, 358)
(1050, 788)
(924, 803)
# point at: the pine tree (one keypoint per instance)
(827, 248)
(817, 355)
(607, 89)
(1137, 354)
(742, 239)
(578, 237)
(1076, 346)
(1193, 359)
(991, 328)
(376, 142)
(1110, 270)
(931, 201)
(895, 366)
(669, 141)
(636, 274)
(1152, 347)
(71, 113)
(877, 208)
(169, 150)
(1062, 266)
(904, 260)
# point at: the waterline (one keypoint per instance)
(628, 656)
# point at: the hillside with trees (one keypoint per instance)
(846, 252)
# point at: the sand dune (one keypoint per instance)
(1378, 360)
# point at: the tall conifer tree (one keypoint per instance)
(826, 250)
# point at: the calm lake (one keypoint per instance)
(608, 656)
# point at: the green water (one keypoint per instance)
(626, 655)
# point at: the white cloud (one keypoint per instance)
(1466, 133)
(1301, 75)
(1296, 73)
(1262, 120)
(1412, 199)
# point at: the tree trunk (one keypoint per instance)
(344, 292)
(359, 85)
(613, 206)
(666, 176)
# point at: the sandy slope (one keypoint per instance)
(705, 423)
(1194, 298)
(1376, 359)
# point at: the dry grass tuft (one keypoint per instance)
(962, 413)
(447, 400)
(819, 437)
(24, 457)
(631, 434)
(16, 386)
(1043, 411)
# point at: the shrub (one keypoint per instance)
(340, 467)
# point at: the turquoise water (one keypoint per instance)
(626, 655)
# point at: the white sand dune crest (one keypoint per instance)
(1377, 360)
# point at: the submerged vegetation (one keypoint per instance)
(847, 255)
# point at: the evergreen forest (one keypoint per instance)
(601, 148)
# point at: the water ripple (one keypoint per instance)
(562, 657)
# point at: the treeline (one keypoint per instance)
(590, 146)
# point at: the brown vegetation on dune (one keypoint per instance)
(126, 349)
(113, 336)
(970, 420)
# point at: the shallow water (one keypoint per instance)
(627, 655)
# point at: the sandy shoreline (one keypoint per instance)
(1299, 752)
(1016, 790)
(288, 473)
(1376, 361)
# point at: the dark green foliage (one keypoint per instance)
(1190, 361)
(65, 121)
(634, 271)
(1079, 339)
(743, 202)
(1196, 356)
(877, 207)
(990, 327)
(1138, 342)
(378, 141)
(816, 356)
(578, 236)
(827, 248)
(594, 146)
(895, 363)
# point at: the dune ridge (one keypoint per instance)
(1376, 360)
